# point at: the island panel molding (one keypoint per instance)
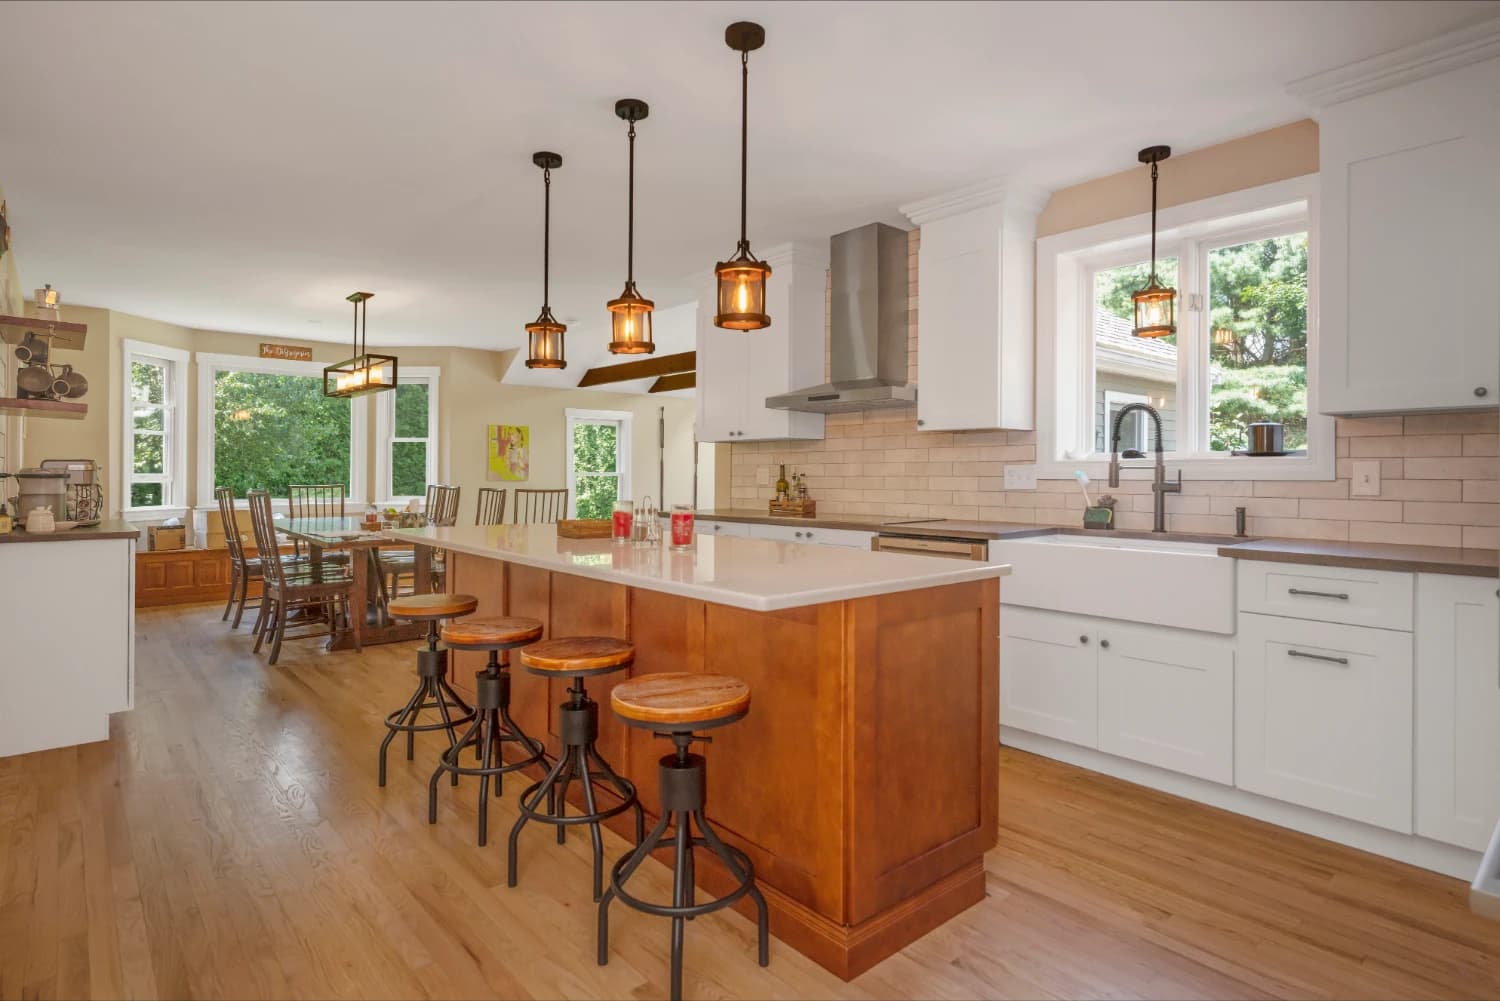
(862, 784)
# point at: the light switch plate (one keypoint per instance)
(1366, 481)
(1020, 477)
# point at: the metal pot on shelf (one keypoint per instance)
(1265, 438)
(75, 385)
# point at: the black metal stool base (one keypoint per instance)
(682, 784)
(578, 721)
(491, 729)
(433, 692)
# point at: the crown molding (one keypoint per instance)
(1027, 198)
(1461, 47)
(799, 253)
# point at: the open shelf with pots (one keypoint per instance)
(64, 336)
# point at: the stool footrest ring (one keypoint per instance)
(745, 885)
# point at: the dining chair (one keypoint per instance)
(285, 589)
(491, 507)
(242, 568)
(441, 510)
(316, 500)
(537, 507)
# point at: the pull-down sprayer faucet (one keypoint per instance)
(1159, 485)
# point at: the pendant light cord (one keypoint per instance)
(630, 216)
(744, 142)
(546, 234)
(1153, 222)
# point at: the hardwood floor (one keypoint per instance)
(230, 841)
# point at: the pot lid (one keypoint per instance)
(42, 474)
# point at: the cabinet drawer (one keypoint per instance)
(734, 528)
(1323, 717)
(1375, 598)
(820, 536)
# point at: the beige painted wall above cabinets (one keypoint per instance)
(470, 398)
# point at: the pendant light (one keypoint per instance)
(742, 279)
(1155, 305)
(365, 372)
(630, 314)
(544, 338)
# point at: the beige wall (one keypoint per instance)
(471, 396)
(1440, 474)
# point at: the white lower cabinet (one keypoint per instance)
(1152, 694)
(1458, 709)
(1323, 717)
(1166, 698)
(1049, 680)
(847, 538)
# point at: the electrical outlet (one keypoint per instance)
(1020, 477)
(1366, 481)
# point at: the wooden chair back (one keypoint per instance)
(232, 540)
(314, 500)
(540, 507)
(265, 536)
(491, 507)
(442, 506)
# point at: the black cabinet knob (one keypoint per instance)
(1083, 639)
(1481, 391)
(1104, 644)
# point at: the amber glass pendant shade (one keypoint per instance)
(544, 336)
(742, 293)
(630, 323)
(365, 372)
(1155, 311)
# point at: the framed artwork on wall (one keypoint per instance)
(509, 452)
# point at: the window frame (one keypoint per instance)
(1066, 263)
(1113, 396)
(385, 427)
(625, 419)
(209, 365)
(174, 474)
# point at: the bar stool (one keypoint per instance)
(492, 727)
(673, 706)
(433, 690)
(576, 657)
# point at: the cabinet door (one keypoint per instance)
(845, 538)
(1458, 709)
(735, 529)
(1166, 697)
(1049, 674)
(1410, 203)
(1323, 717)
(721, 361)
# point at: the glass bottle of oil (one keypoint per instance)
(783, 488)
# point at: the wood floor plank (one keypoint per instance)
(229, 840)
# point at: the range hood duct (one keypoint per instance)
(869, 327)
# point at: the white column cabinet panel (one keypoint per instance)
(1458, 709)
(1049, 681)
(1323, 717)
(1409, 301)
(1166, 698)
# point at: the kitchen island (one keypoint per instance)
(863, 784)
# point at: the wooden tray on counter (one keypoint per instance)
(794, 508)
(584, 528)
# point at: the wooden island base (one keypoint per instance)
(863, 783)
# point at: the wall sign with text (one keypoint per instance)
(286, 352)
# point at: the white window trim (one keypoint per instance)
(210, 364)
(626, 420)
(385, 427)
(174, 454)
(1064, 262)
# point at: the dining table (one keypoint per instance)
(363, 543)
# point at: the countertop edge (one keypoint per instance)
(112, 528)
(960, 574)
(1391, 562)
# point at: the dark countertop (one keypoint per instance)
(110, 528)
(1361, 555)
(1371, 556)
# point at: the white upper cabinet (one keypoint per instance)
(1409, 300)
(738, 369)
(1458, 709)
(976, 270)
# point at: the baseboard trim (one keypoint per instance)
(1450, 860)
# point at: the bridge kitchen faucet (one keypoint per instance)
(1160, 487)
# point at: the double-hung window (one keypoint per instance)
(406, 435)
(598, 446)
(1242, 265)
(154, 421)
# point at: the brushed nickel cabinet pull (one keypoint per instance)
(1341, 661)
(1316, 594)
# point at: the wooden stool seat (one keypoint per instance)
(481, 634)
(689, 701)
(424, 607)
(578, 655)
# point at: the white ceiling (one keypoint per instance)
(244, 166)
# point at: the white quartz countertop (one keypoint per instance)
(760, 575)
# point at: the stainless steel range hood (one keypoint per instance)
(869, 313)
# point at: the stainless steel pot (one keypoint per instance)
(1264, 438)
(35, 379)
(76, 385)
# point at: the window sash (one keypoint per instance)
(173, 366)
(385, 434)
(622, 421)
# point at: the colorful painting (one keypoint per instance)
(510, 452)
